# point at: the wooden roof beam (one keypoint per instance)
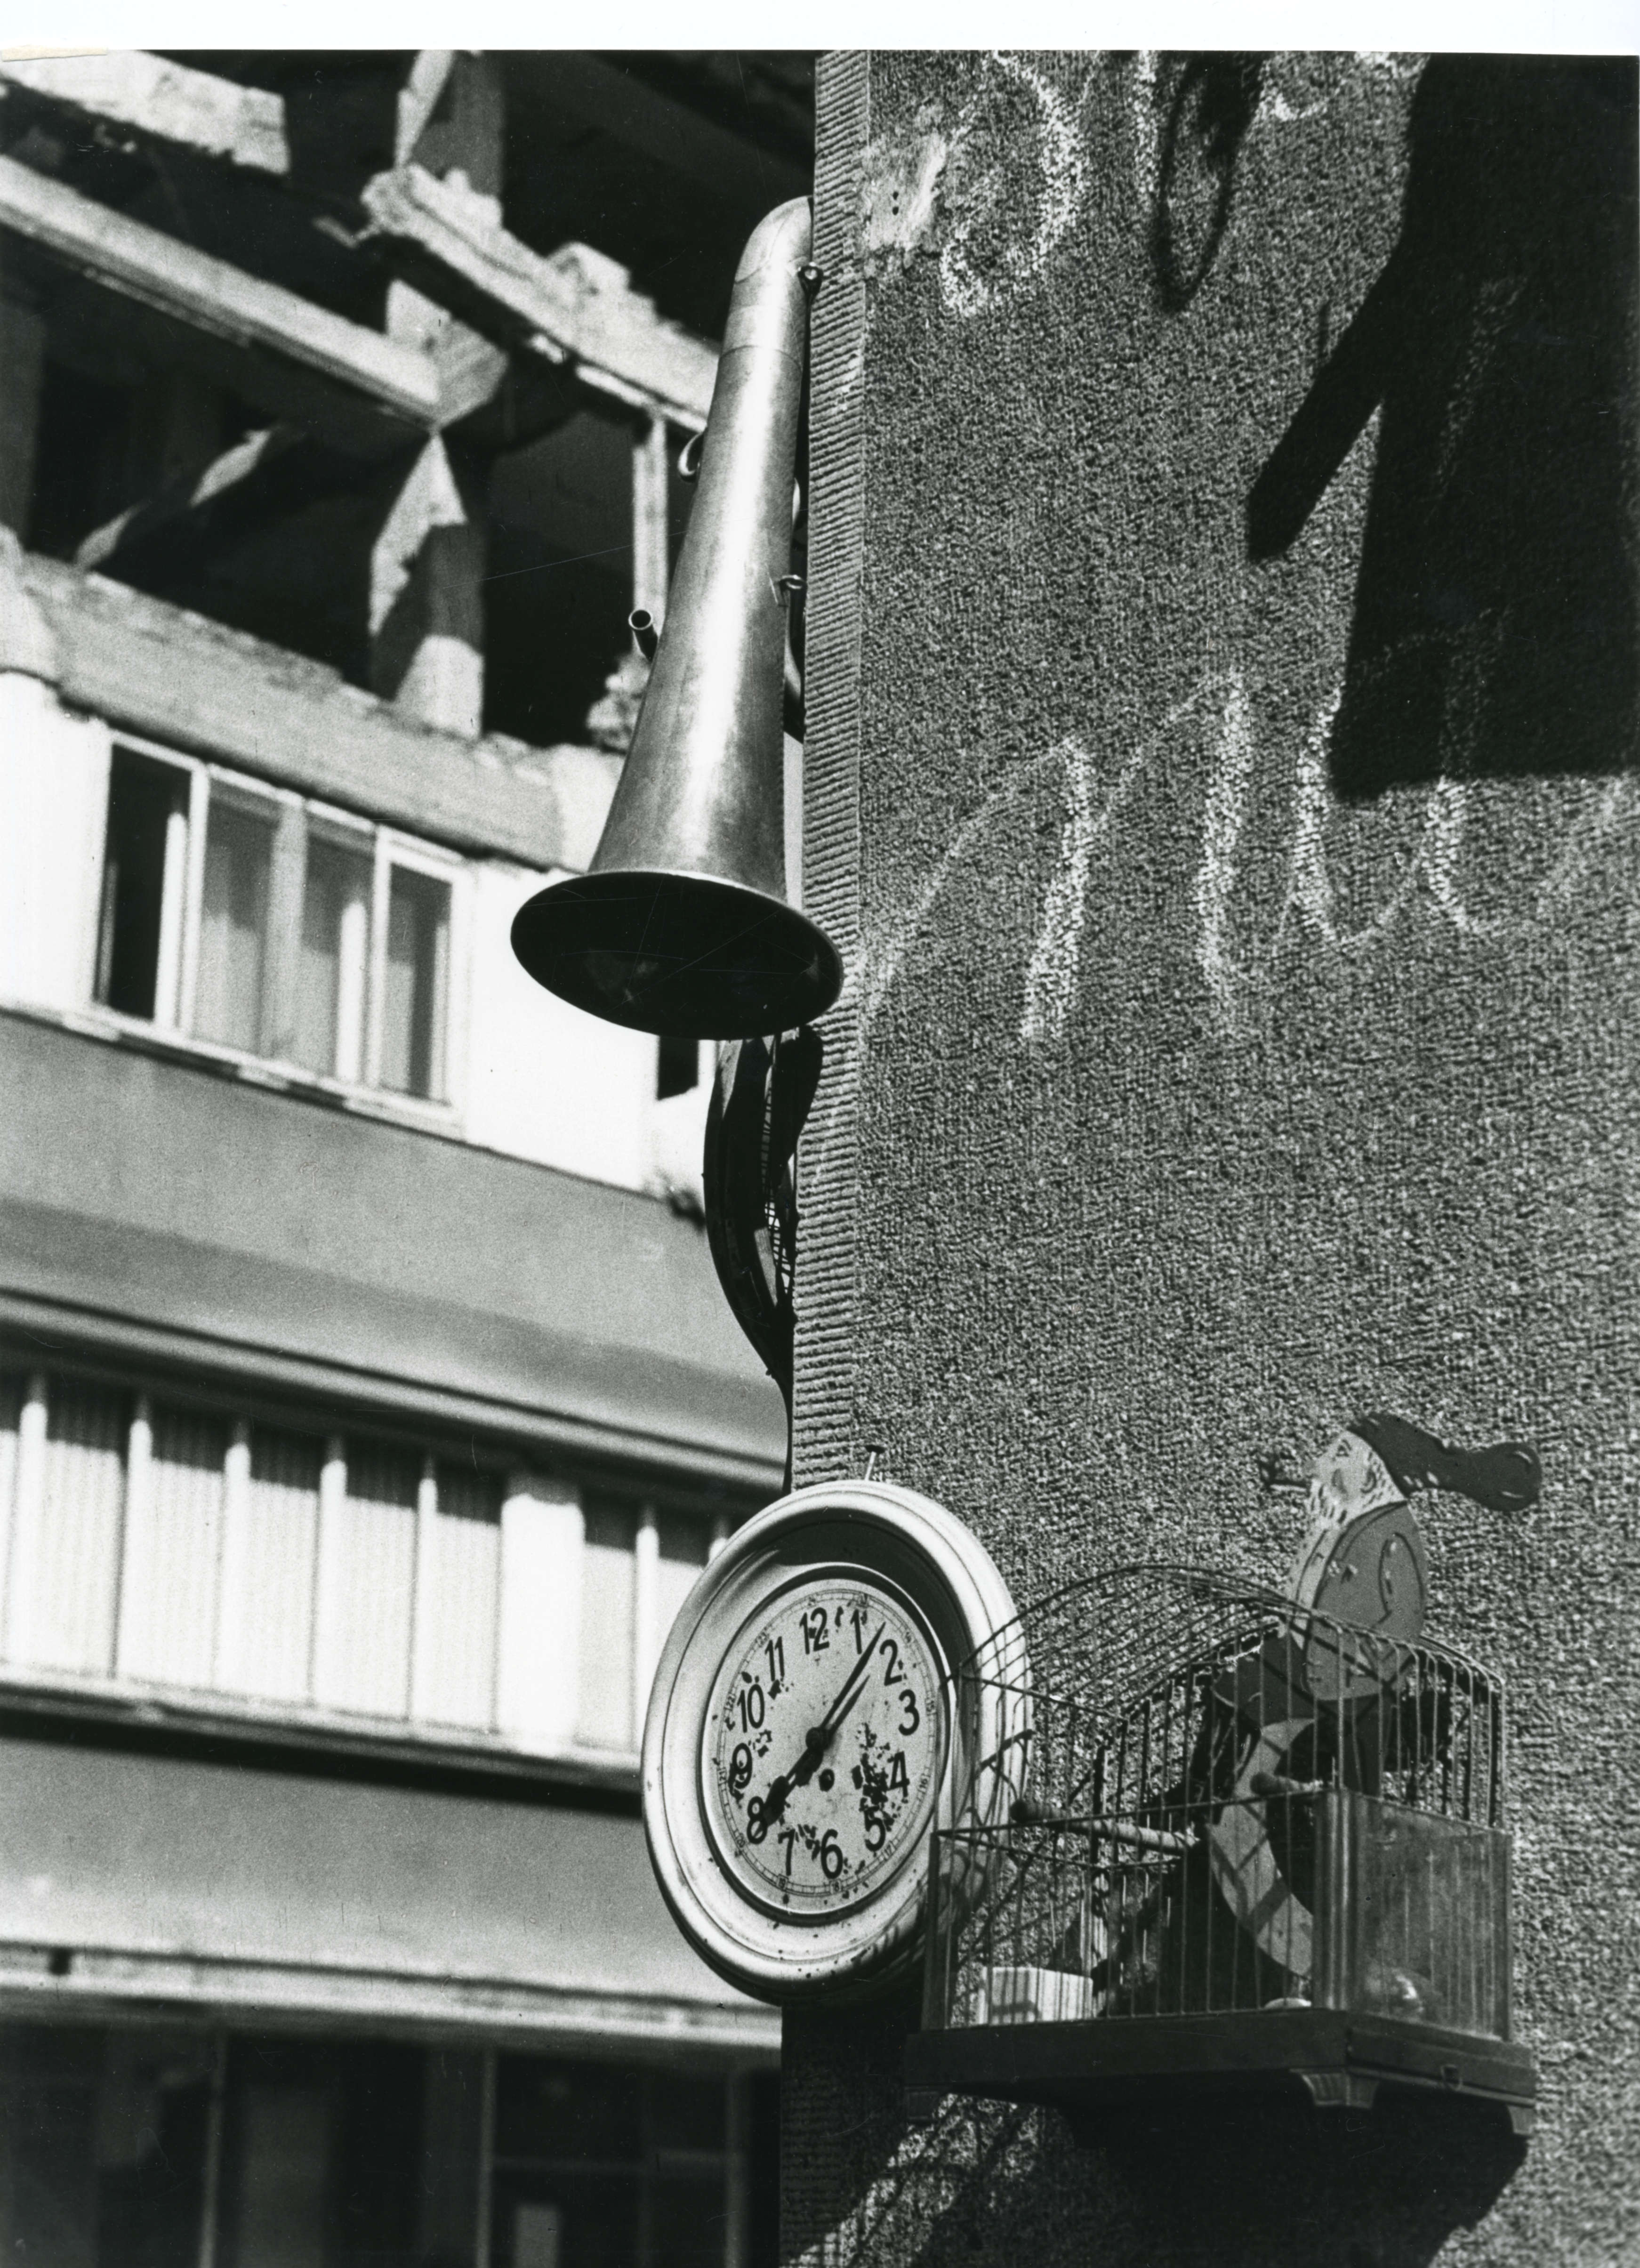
(161, 101)
(400, 384)
(575, 308)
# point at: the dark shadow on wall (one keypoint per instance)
(1276, 2185)
(1496, 621)
(1209, 101)
(1255, 2184)
(1264, 2182)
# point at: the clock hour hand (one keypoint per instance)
(818, 1738)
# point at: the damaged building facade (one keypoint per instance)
(367, 1404)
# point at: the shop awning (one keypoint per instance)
(185, 1888)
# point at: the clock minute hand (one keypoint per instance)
(819, 1737)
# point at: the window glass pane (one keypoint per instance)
(320, 2160)
(556, 2111)
(330, 986)
(417, 981)
(233, 922)
(607, 1602)
(367, 1579)
(66, 1569)
(143, 798)
(537, 2234)
(686, 2111)
(568, 2219)
(103, 2146)
(284, 2143)
(683, 1544)
(168, 1623)
(10, 1409)
(456, 1683)
(269, 1650)
(691, 2211)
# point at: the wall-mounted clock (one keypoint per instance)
(805, 1732)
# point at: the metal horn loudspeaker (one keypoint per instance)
(681, 925)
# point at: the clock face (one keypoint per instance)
(823, 1745)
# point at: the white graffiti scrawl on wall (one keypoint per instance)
(1307, 910)
(969, 288)
(934, 182)
(1238, 931)
(1219, 710)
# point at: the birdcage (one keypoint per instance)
(1241, 1843)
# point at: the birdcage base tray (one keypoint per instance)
(1340, 2059)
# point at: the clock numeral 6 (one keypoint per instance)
(830, 1855)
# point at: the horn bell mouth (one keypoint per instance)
(685, 956)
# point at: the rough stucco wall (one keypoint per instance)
(1241, 1026)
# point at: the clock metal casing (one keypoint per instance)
(934, 1582)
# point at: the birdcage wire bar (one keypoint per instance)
(1216, 1801)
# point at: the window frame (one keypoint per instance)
(405, 852)
(344, 1442)
(348, 833)
(296, 819)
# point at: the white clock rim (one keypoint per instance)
(875, 1942)
(841, 1572)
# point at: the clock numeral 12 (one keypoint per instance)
(816, 1637)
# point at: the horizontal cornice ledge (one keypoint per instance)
(149, 667)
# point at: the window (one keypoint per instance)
(171, 1545)
(608, 1604)
(637, 1569)
(367, 1584)
(157, 1542)
(334, 963)
(161, 2145)
(683, 1550)
(418, 975)
(233, 926)
(63, 1582)
(146, 842)
(250, 919)
(611, 2163)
